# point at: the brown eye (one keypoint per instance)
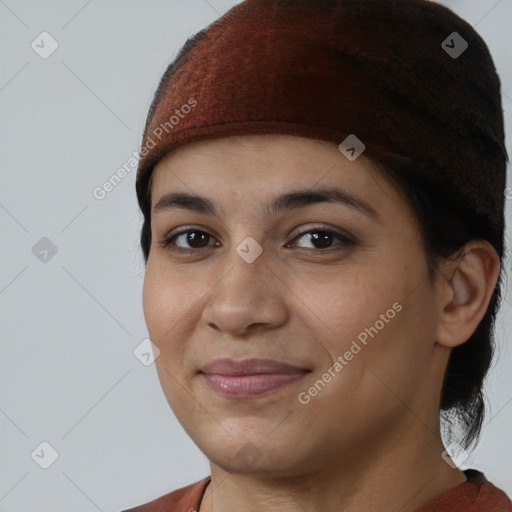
(195, 239)
(322, 238)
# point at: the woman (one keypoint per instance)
(322, 188)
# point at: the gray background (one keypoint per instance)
(70, 323)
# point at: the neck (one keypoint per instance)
(403, 474)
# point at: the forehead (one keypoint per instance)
(259, 160)
(270, 176)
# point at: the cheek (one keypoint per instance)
(372, 319)
(347, 302)
(168, 308)
(155, 302)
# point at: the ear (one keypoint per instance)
(466, 287)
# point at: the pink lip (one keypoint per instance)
(249, 377)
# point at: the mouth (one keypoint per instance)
(250, 377)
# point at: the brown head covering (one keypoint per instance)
(410, 79)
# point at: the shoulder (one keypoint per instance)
(477, 494)
(185, 499)
(491, 498)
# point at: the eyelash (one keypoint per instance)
(345, 241)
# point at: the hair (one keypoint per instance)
(447, 225)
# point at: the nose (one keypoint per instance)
(250, 296)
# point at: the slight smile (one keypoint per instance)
(249, 377)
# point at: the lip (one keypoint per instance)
(254, 366)
(250, 377)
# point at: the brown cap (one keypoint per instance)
(406, 81)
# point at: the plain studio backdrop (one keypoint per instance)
(76, 81)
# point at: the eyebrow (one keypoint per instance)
(288, 201)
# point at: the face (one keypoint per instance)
(331, 284)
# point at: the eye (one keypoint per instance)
(197, 239)
(322, 238)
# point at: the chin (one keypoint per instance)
(249, 457)
(252, 450)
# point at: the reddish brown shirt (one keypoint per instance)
(477, 494)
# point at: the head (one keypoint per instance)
(407, 280)
(379, 270)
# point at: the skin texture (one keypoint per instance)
(369, 440)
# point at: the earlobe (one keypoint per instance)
(471, 282)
